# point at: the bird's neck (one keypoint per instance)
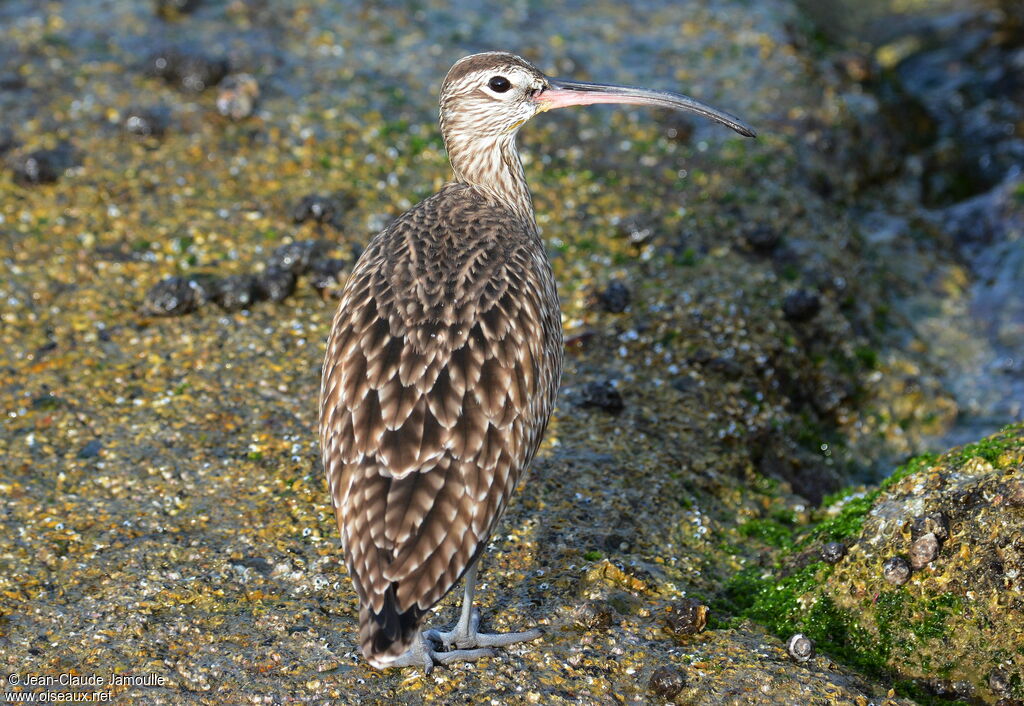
(492, 164)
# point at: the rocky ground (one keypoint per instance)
(758, 334)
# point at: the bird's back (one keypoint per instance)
(442, 369)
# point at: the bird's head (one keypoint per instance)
(494, 93)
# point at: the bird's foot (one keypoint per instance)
(466, 635)
(422, 654)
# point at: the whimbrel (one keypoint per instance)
(443, 364)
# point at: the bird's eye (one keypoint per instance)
(499, 84)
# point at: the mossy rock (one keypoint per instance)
(955, 628)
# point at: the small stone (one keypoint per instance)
(205, 285)
(858, 67)
(146, 122)
(318, 208)
(173, 296)
(11, 81)
(47, 401)
(727, 367)
(924, 550)
(592, 615)
(90, 450)
(637, 231)
(601, 395)
(42, 166)
(800, 647)
(833, 552)
(187, 69)
(686, 385)
(999, 682)
(616, 543)
(615, 297)
(172, 9)
(701, 356)
(297, 256)
(236, 98)
(236, 292)
(256, 563)
(801, 305)
(762, 238)
(1014, 495)
(896, 570)
(934, 523)
(675, 126)
(275, 284)
(687, 616)
(666, 682)
(324, 273)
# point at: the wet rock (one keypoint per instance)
(91, 450)
(146, 122)
(298, 256)
(924, 550)
(667, 682)
(275, 284)
(237, 292)
(800, 647)
(187, 69)
(325, 274)
(687, 616)
(614, 298)
(237, 96)
(593, 615)
(968, 78)
(833, 552)
(801, 305)
(896, 570)
(318, 208)
(173, 296)
(602, 395)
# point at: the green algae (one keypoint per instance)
(769, 531)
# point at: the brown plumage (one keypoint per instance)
(443, 365)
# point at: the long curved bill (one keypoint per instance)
(561, 93)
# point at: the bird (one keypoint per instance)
(443, 363)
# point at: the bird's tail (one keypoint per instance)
(387, 635)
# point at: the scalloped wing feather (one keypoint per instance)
(441, 372)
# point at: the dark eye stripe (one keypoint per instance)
(499, 84)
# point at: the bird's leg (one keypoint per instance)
(421, 654)
(465, 634)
